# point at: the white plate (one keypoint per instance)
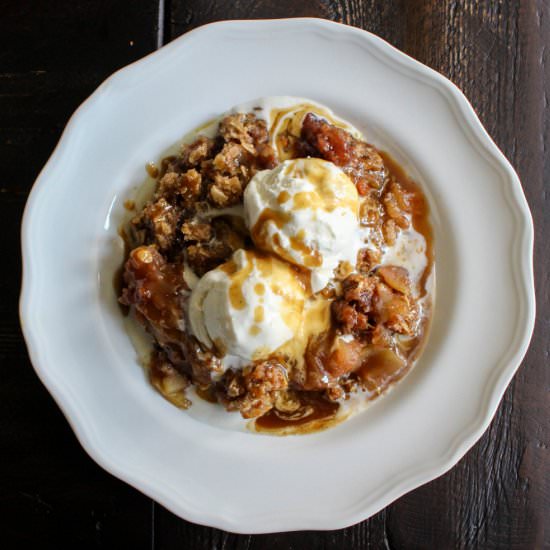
(242, 481)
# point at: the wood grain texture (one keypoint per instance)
(53, 54)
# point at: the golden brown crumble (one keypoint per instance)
(179, 226)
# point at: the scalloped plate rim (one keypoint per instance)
(463, 442)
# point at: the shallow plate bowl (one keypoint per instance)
(246, 482)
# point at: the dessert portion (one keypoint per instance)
(283, 267)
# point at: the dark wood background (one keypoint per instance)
(53, 54)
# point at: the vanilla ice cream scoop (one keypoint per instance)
(247, 307)
(306, 212)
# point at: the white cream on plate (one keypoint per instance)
(247, 307)
(306, 212)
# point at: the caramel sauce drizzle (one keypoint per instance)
(289, 120)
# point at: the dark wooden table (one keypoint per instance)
(53, 54)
